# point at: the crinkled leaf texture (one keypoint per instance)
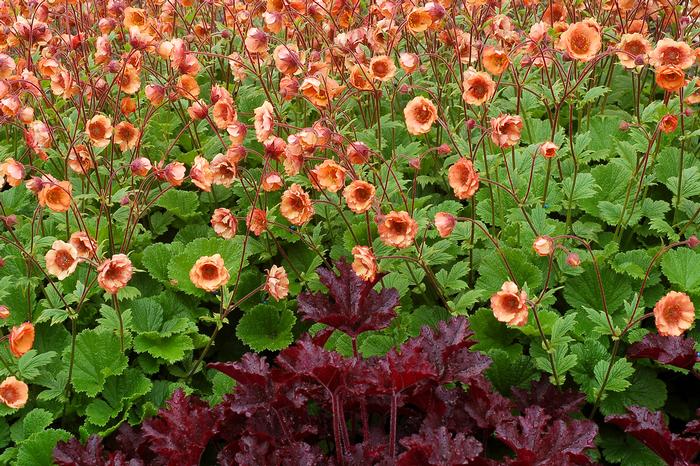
(673, 350)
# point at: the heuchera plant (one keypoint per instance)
(427, 402)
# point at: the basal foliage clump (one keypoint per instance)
(449, 232)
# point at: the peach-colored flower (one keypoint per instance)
(509, 305)
(99, 130)
(634, 50)
(445, 222)
(83, 244)
(209, 273)
(287, 59)
(320, 91)
(224, 166)
(188, 87)
(224, 223)
(296, 205)
(79, 159)
(361, 78)
(418, 20)
(200, 173)
(271, 181)
(277, 283)
(155, 94)
(357, 152)
(12, 171)
(382, 67)
(573, 259)
(359, 196)
(4, 312)
(21, 339)
(256, 41)
(674, 314)
(670, 78)
(505, 130)
(398, 229)
(135, 17)
(668, 123)
(420, 114)
(224, 113)
(463, 178)
(289, 87)
(140, 166)
(582, 41)
(543, 245)
(264, 121)
(56, 195)
(548, 149)
(478, 87)
(256, 221)
(671, 52)
(14, 393)
(129, 80)
(364, 263)
(61, 259)
(126, 135)
(409, 62)
(114, 274)
(494, 60)
(173, 173)
(328, 175)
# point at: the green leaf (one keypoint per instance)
(117, 395)
(592, 94)
(183, 204)
(34, 421)
(507, 372)
(171, 348)
(493, 272)
(619, 373)
(583, 291)
(645, 390)
(681, 268)
(97, 356)
(562, 326)
(376, 345)
(56, 316)
(30, 363)
(627, 451)
(37, 450)
(266, 327)
(146, 315)
(156, 257)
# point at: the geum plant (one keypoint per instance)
(175, 172)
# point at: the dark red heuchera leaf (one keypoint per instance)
(73, 453)
(485, 406)
(180, 433)
(438, 447)
(254, 389)
(351, 305)
(650, 428)
(536, 438)
(556, 402)
(674, 350)
(693, 427)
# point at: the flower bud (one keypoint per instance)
(693, 242)
(573, 259)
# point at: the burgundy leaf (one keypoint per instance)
(73, 453)
(650, 428)
(673, 350)
(557, 403)
(486, 407)
(305, 359)
(351, 305)
(538, 439)
(693, 427)
(438, 447)
(180, 433)
(253, 390)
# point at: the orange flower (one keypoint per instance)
(264, 121)
(495, 61)
(56, 195)
(79, 159)
(114, 274)
(85, 246)
(126, 135)
(12, 171)
(277, 283)
(129, 80)
(256, 41)
(328, 175)
(357, 152)
(509, 305)
(224, 113)
(14, 393)
(361, 78)
(201, 174)
(463, 178)
(634, 50)
(62, 259)
(296, 205)
(505, 130)
(4, 312)
(543, 245)
(256, 221)
(670, 78)
(359, 195)
(271, 181)
(581, 40)
(287, 59)
(670, 52)
(224, 223)
(409, 62)
(420, 114)
(187, 87)
(223, 167)
(478, 87)
(99, 130)
(364, 263)
(382, 67)
(398, 229)
(418, 20)
(320, 92)
(445, 223)
(548, 150)
(209, 273)
(174, 173)
(21, 339)
(674, 314)
(668, 123)
(140, 166)
(135, 17)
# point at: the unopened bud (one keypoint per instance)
(693, 242)
(573, 259)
